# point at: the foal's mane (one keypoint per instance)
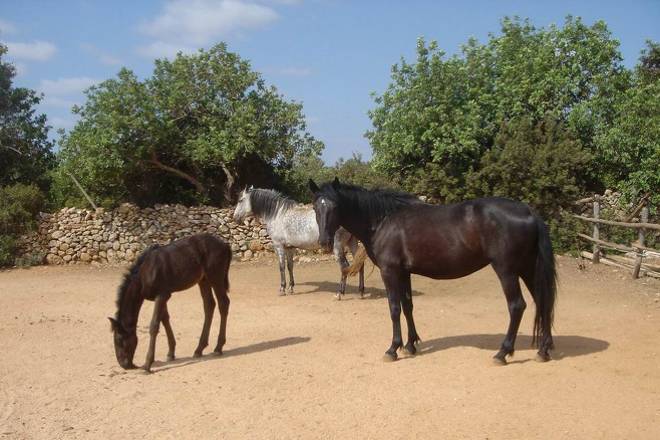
(375, 203)
(266, 203)
(131, 274)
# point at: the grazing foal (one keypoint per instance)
(159, 271)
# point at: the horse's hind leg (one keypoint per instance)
(516, 304)
(220, 289)
(209, 305)
(159, 303)
(281, 258)
(289, 265)
(171, 342)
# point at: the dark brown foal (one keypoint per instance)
(202, 259)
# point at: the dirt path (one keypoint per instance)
(306, 366)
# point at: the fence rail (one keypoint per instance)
(636, 265)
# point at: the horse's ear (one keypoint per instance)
(250, 188)
(313, 186)
(335, 183)
(115, 326)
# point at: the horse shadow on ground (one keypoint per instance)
(238, 351)
(351, 290)
(566, 346)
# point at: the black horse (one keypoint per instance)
(202, 259)
(402, 235)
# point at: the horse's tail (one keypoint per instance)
(357, 264)
(227, 270)
(545, 284)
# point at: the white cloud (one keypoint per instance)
(65, 86)
(35, 51)
(6, 27)
(160, 49)
(193, 23)
(64, 93)
(103, 57)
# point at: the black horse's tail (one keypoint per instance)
(227, 271)
(545, 284)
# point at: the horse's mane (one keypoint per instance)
(375, 203)
(131, 274)
(266, 203)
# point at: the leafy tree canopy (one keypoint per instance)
(443, 114)
(200, 125)
(25, 151)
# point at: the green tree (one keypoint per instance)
(440, 115)
(25, 151)
(629, 147)
(192, 132)
(25, 160)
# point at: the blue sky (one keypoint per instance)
(328, 54)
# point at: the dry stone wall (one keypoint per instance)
(117, 236)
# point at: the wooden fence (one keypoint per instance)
(637, 264)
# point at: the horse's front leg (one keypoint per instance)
(289, 265)
(354, 249)
(394, 284)
(281, 258)
(159, 302)
(171, 342)
(407, 306)
(340, 256)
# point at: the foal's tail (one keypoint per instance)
(545, 284)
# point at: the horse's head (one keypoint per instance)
(326, 208)
(125, 344)
(244, 205)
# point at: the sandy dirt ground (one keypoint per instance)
(307, 366)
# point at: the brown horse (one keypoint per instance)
(403, 236)
(159, 271)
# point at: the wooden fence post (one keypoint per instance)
(596, 253)
(640, 252)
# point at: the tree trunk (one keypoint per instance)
(229, 185)
(154, 160)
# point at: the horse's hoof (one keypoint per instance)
(338, 296)
(390, 357)
(410, 349)
(197, 354)
(281, 293)
(499, 361)
(147, 370)
(217, 352)
(542, 357)
(171, 357)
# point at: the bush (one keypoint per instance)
(539, 164)
(20, 205)
(7, 250)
